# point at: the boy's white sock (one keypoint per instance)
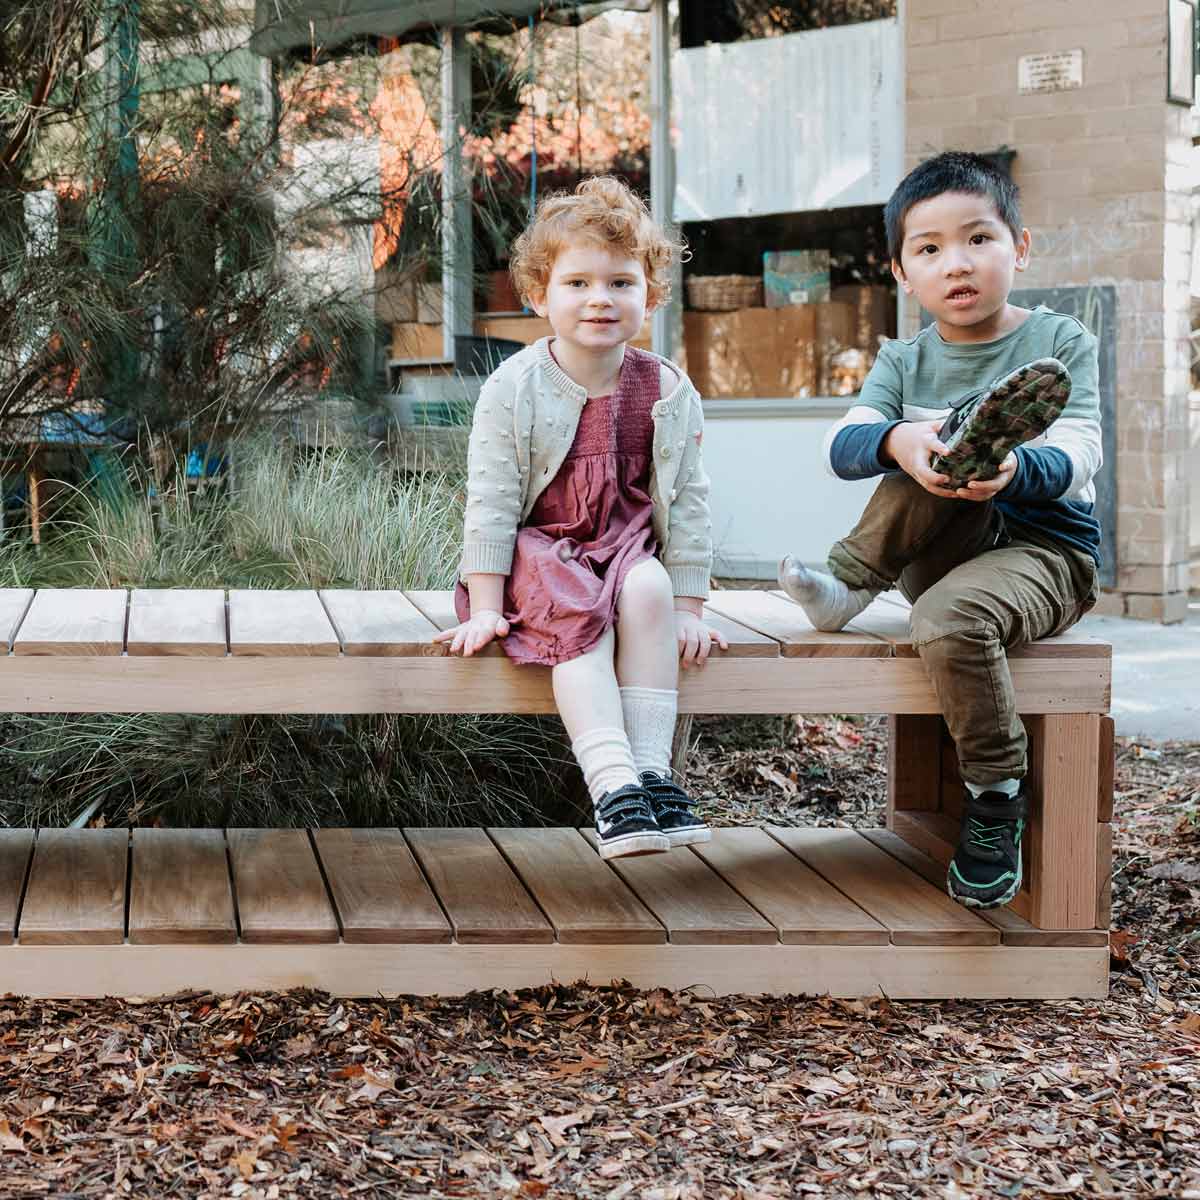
(827, 601)
(1006, 787)
(606, 760)
(650, 723)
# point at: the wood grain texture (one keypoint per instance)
(377, 887)
(76, 890)
(743, 641)
(346, 684)
(81, 622)
(803, 907)
(485, 901)
(1061, 843)
(583, 898)
(278, 887)
(379, 623)
(179, 890)
(177, 621)
(914, 766)
(1104, 872)
(1014, 930)
(779, 618)
(280, 624)
(899, 972)
(692, 902)
(14, 604)
(16, 845)
(916, 913)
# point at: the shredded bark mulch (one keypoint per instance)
(608, 1092)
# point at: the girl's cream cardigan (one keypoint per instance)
(525, 422)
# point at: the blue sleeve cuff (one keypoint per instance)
(855, 452)
(1043, 473)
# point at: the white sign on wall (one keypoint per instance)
(1054, 72)
(786, 124)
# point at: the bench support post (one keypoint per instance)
(1068, 846)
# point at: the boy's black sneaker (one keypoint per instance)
(984, 426)
(985, 871)
(625, 824)
(674, 810)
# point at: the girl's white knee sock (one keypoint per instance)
(606, 760)
(650, 722)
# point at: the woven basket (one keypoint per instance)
(724, 293)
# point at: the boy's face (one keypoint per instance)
(958, 258)
(595, 297)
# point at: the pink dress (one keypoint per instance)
(587, 529)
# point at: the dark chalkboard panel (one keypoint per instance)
(1096, 308)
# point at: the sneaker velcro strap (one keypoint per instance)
(995, 806)
(667, 792)
(628, 801)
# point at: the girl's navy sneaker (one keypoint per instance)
(625, 824)
(674, 810)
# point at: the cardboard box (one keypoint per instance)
(836, 330)
(874, 311)
(754, 352)
(795, 277)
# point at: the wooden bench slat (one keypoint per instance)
(279, 891)
(584, 899)
(14, 604)
(279, 624)
(694, 904)
(778, 617)
(805, 908)
(744, 642)
(76, 891)
(379, 623)
(485, 901)
(917, 913)
(184, 621)
(888, 617)
(16, 845)
(74, 621)
(179, 890)
(1014, 930)
(377, 887)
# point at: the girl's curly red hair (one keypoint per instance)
(602, 210)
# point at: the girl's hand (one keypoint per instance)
(985, 489)
(911, 445)
(696, 638)
(471, 636)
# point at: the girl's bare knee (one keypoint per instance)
(646, 594)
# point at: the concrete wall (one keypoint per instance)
(1104, 175)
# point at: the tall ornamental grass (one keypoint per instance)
(333, 519)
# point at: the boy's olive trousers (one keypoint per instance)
(978, 587)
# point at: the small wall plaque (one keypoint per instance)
(1181, 52)
(1055, 72)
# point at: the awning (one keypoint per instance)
(282, 25)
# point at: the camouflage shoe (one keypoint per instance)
(985, 426)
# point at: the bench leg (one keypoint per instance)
(1062, 844)
(914, 765)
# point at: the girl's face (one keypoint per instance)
(595, 298)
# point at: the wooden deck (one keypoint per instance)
(444, 911)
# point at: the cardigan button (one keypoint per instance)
(665, 452)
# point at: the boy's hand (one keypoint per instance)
(985, 489)
(696, 638)
(911, 445)
(472, 635)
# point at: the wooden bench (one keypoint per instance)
(362, 912)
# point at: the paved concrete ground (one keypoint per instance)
(1156, 675)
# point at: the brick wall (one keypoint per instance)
(1105, 192)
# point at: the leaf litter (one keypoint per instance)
(609, 1092)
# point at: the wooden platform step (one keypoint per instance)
(446, 911)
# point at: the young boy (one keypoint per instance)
(984, 518)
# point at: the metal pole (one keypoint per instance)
(458, 299)
(666, 323)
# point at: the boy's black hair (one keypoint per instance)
(952, 171)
